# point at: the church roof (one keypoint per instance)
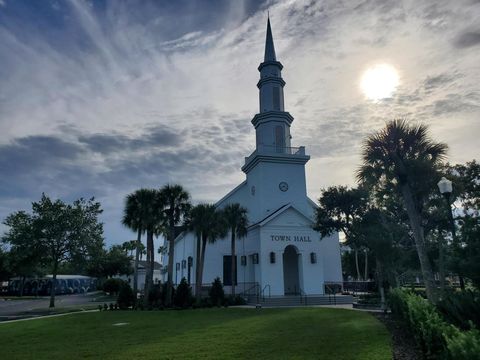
(269, 47)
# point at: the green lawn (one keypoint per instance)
(295, 333)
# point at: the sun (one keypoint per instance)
(379, 82)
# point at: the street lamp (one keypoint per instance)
(446, 189)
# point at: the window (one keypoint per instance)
(243, 260)
(313, 258)
(272, 258)
(227, 270)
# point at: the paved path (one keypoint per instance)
(17, 309)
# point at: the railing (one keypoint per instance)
(289, 150)
(282, 150)
(330, 289)
(253, 290)
(263, 291)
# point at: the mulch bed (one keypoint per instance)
(403, 344)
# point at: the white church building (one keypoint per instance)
(281, 252)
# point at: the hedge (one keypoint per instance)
(437, 338)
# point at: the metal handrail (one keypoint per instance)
(269, 291)
(247, 292)
(330, 293)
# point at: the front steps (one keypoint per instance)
(297, 300)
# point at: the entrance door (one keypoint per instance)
(291, 281)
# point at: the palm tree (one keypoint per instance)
(175, 202)
(404, 155)
(195, 223)
(236, 220)
(211, 226)
(134, 213)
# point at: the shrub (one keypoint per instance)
(461, 309)
(217, 295)
(233, 301)
(427, 326)
(437, 338)
(183, 296)
(112, 286)
(125, 298)
(464, 345)
(156, 297)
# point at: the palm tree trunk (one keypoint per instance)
(366, 265)
(234, 263)
(418, 235)
(356, 264)
(202, 261)
(380, 283)
(135, 266)
(148, 272)
(198, 285)
(171, 254)
(152, 260)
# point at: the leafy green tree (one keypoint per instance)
(404, 155)
(24, 256)
(58, 231)
(174, 200)
(339, 208)
(112, 262)
(236, 220)
(465, 255)
(4, 266)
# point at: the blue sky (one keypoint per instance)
(99, 98)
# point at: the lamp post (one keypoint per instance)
(446, 189)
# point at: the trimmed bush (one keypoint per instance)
(183, 296)
(217, 295)
(156, 297)
(112, 286)
(464, 345)
(125, 298)
(437, 338)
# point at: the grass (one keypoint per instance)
(13, 298)
(295, 333)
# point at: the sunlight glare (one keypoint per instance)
(379, 82)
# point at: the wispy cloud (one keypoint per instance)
(102, 98)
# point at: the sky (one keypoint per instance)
(100, 98)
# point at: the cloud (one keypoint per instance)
(467, 39)
(101, 99)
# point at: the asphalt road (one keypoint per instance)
(18, 309)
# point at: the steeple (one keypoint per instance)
(272, 122)
(269, 47)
